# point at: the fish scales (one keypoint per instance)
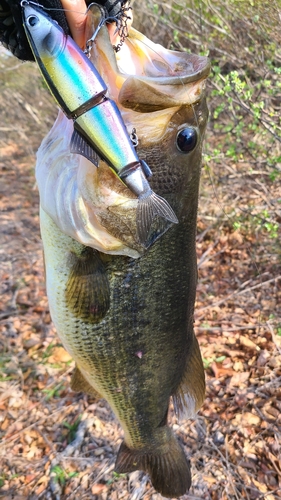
(134, 341)
(127, 319)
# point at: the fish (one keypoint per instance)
(99, 130)
(125, 313)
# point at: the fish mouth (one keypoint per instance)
(146, 64)
(166, 67)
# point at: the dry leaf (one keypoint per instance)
(246, 342)
(239, 379)
(250, 419)
(261, 487)
(220, 371)
(98, 488)
(59, 355)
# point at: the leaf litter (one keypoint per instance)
(57, 444)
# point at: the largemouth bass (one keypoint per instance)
(99, 131)
(125, 314)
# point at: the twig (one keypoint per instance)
(226, 329)
(137, 493)
(273, 336)
(80, 434)
(205, 254)
(236, 293)
(69, 450)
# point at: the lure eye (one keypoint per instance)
(186, 139)
(32, 20)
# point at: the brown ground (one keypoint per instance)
(56, 444)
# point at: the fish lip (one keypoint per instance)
(201, 73)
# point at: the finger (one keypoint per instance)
(75, 11)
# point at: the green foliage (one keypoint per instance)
(243, 42)
(48, 350)
(4, 360)
(72, 428)
(4, 477)
(53, 392)
(115, 477)
(61, 476)
(207, 362)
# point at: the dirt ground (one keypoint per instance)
(57, 444)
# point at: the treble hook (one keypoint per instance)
(104, 19)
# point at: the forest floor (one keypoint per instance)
(57, 444)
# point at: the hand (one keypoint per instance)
(76, 17)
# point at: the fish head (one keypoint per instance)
(161, 94)
(171, 139)
(45, 35)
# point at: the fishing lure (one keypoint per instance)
(99, 130)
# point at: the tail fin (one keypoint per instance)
(148, 208)
(169, 470)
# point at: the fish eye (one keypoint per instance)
(186, 139)
(32, 20)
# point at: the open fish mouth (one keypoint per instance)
(169, 67)
(140, 59)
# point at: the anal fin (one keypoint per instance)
(80, 384)
(190, 394)
(79, 145)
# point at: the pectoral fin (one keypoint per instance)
(80, 384)
(191, 392)
(80, 146)
(87, 290)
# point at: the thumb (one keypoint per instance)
(75, 11)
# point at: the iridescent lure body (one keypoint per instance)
(99, 130)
